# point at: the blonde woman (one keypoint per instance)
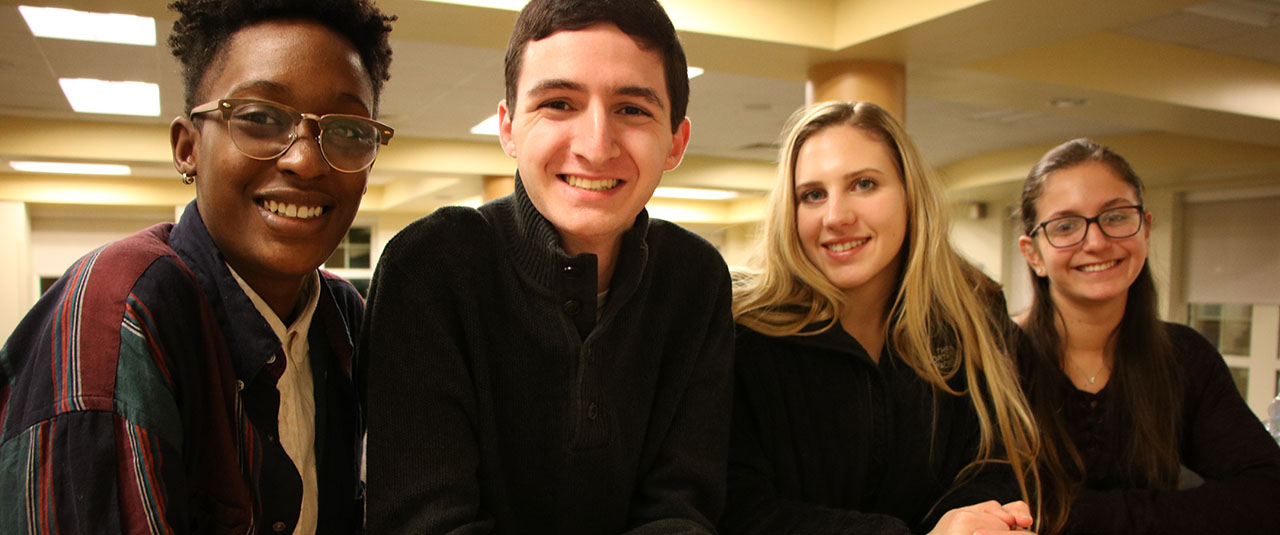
(873, 393)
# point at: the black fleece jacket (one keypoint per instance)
(499, 403)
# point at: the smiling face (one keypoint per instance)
(276, 220)
(592, 133)
(851, 209)
(1099, 269)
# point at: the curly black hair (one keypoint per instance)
(205, 26)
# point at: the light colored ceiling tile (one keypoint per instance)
(1185, 28)
(1261, 44)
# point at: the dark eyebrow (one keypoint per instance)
(554, 84)
(1118, 201)
(851, 175)
(642, 92)
(280, 92)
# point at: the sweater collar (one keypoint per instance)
(836, 340)
(534, 244)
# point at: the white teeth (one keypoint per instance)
(1091, 268)
(593, 185)
(293, 210)
(842, 247)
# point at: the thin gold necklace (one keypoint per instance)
(1093, 379)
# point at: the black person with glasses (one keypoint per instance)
(196, 378)
(1124, 399)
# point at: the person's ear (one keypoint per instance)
(183, 136)
(1146, 228)
(1027, 246)
(679, 142)
(504, 129)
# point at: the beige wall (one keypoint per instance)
(979, 238)
(17, 286)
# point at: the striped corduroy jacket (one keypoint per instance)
(139, 396)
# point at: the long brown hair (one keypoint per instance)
(1144, 386)
(939, 298)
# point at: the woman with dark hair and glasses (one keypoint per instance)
(196, 378)
(1124, 399)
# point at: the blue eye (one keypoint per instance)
(812, 195)
(863, 184)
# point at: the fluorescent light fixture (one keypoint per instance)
(695, 72)
(694, 193)
(487, 127)
(71, 168)
(470, 202)
(58, 23)
(87, 95)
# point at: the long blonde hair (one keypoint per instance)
(941, 313)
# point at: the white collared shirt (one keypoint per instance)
(297, 417)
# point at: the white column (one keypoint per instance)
(18, 289)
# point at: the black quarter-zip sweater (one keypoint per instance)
(826, 440)
(498, 402)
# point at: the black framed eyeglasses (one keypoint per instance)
(1118, 222)
(264, 130)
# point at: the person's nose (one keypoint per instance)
(1094, 239)
(840, 212)
(594, 138)
(304, 156)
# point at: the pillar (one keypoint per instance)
(882, 83)
(18, 288)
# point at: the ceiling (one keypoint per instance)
(1190, 90)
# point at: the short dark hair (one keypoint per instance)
(643, 20)
(205, 26)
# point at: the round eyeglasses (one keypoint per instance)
(1119, 222)
(264, 130)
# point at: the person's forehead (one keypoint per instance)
(593, 53)
(273, 55)
(1085, 186)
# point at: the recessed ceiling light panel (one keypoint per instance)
(487, 127)
(71, 168)
(58, 23)
(87, 95)
(694, 193)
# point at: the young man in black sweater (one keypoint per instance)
(556, 361)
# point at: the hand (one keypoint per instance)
(986, 518)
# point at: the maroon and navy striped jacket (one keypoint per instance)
(138, 396)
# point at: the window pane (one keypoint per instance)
(1235, 337)
(359, 234)
(1228, 327)
(1241, 376)
(359, 257)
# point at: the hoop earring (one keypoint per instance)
(188, 179)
